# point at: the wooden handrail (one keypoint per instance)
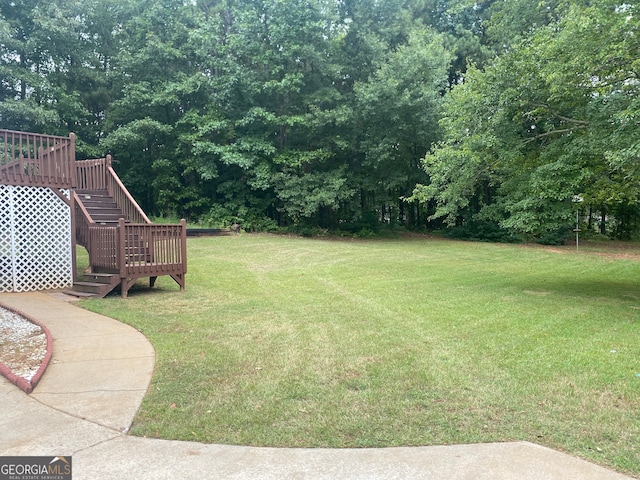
(151, 250)
(103, 251)
(123, 198)
(99, 174)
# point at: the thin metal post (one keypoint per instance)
(577, 228)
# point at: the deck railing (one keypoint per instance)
(103, 248)
(139, 250)
(99, 175)
(37, 160)
(83, 222)
(149, 250)
(92, 174)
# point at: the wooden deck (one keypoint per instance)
(30, 159)
(131, 247)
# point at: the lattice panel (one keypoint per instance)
(6, 259)
(40, 232)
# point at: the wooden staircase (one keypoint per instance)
(95, 285)
(123, 244)
(101, 207)
(102, 210)
(139, 248)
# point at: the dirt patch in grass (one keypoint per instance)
(615, 250)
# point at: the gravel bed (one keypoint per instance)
(23, 344)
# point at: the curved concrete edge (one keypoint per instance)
(162, 459)
(28, 385)
(99, 370)
(47, 358)
(31, 428)
(20, 382)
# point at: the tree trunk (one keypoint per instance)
(603, 221)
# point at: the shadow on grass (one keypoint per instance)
(573, 287)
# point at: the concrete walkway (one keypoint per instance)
(100, 371)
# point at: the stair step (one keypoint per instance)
(99, 205)
(96, 198)
(104, 211)
(102, 193)
(106, 217)
(101, 278)
(81, 191)
(78, 294)
(90, 200)
(88, 286)
(97, 289)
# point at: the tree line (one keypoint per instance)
(500, 119)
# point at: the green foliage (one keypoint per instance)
(537, 126)
(251, 220)
(320, 113)
(511, 20)
(398, 109)
(482, 231)
(304, 195)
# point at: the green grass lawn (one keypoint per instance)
(286, 341)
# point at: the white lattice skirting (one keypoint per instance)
(35, 239)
